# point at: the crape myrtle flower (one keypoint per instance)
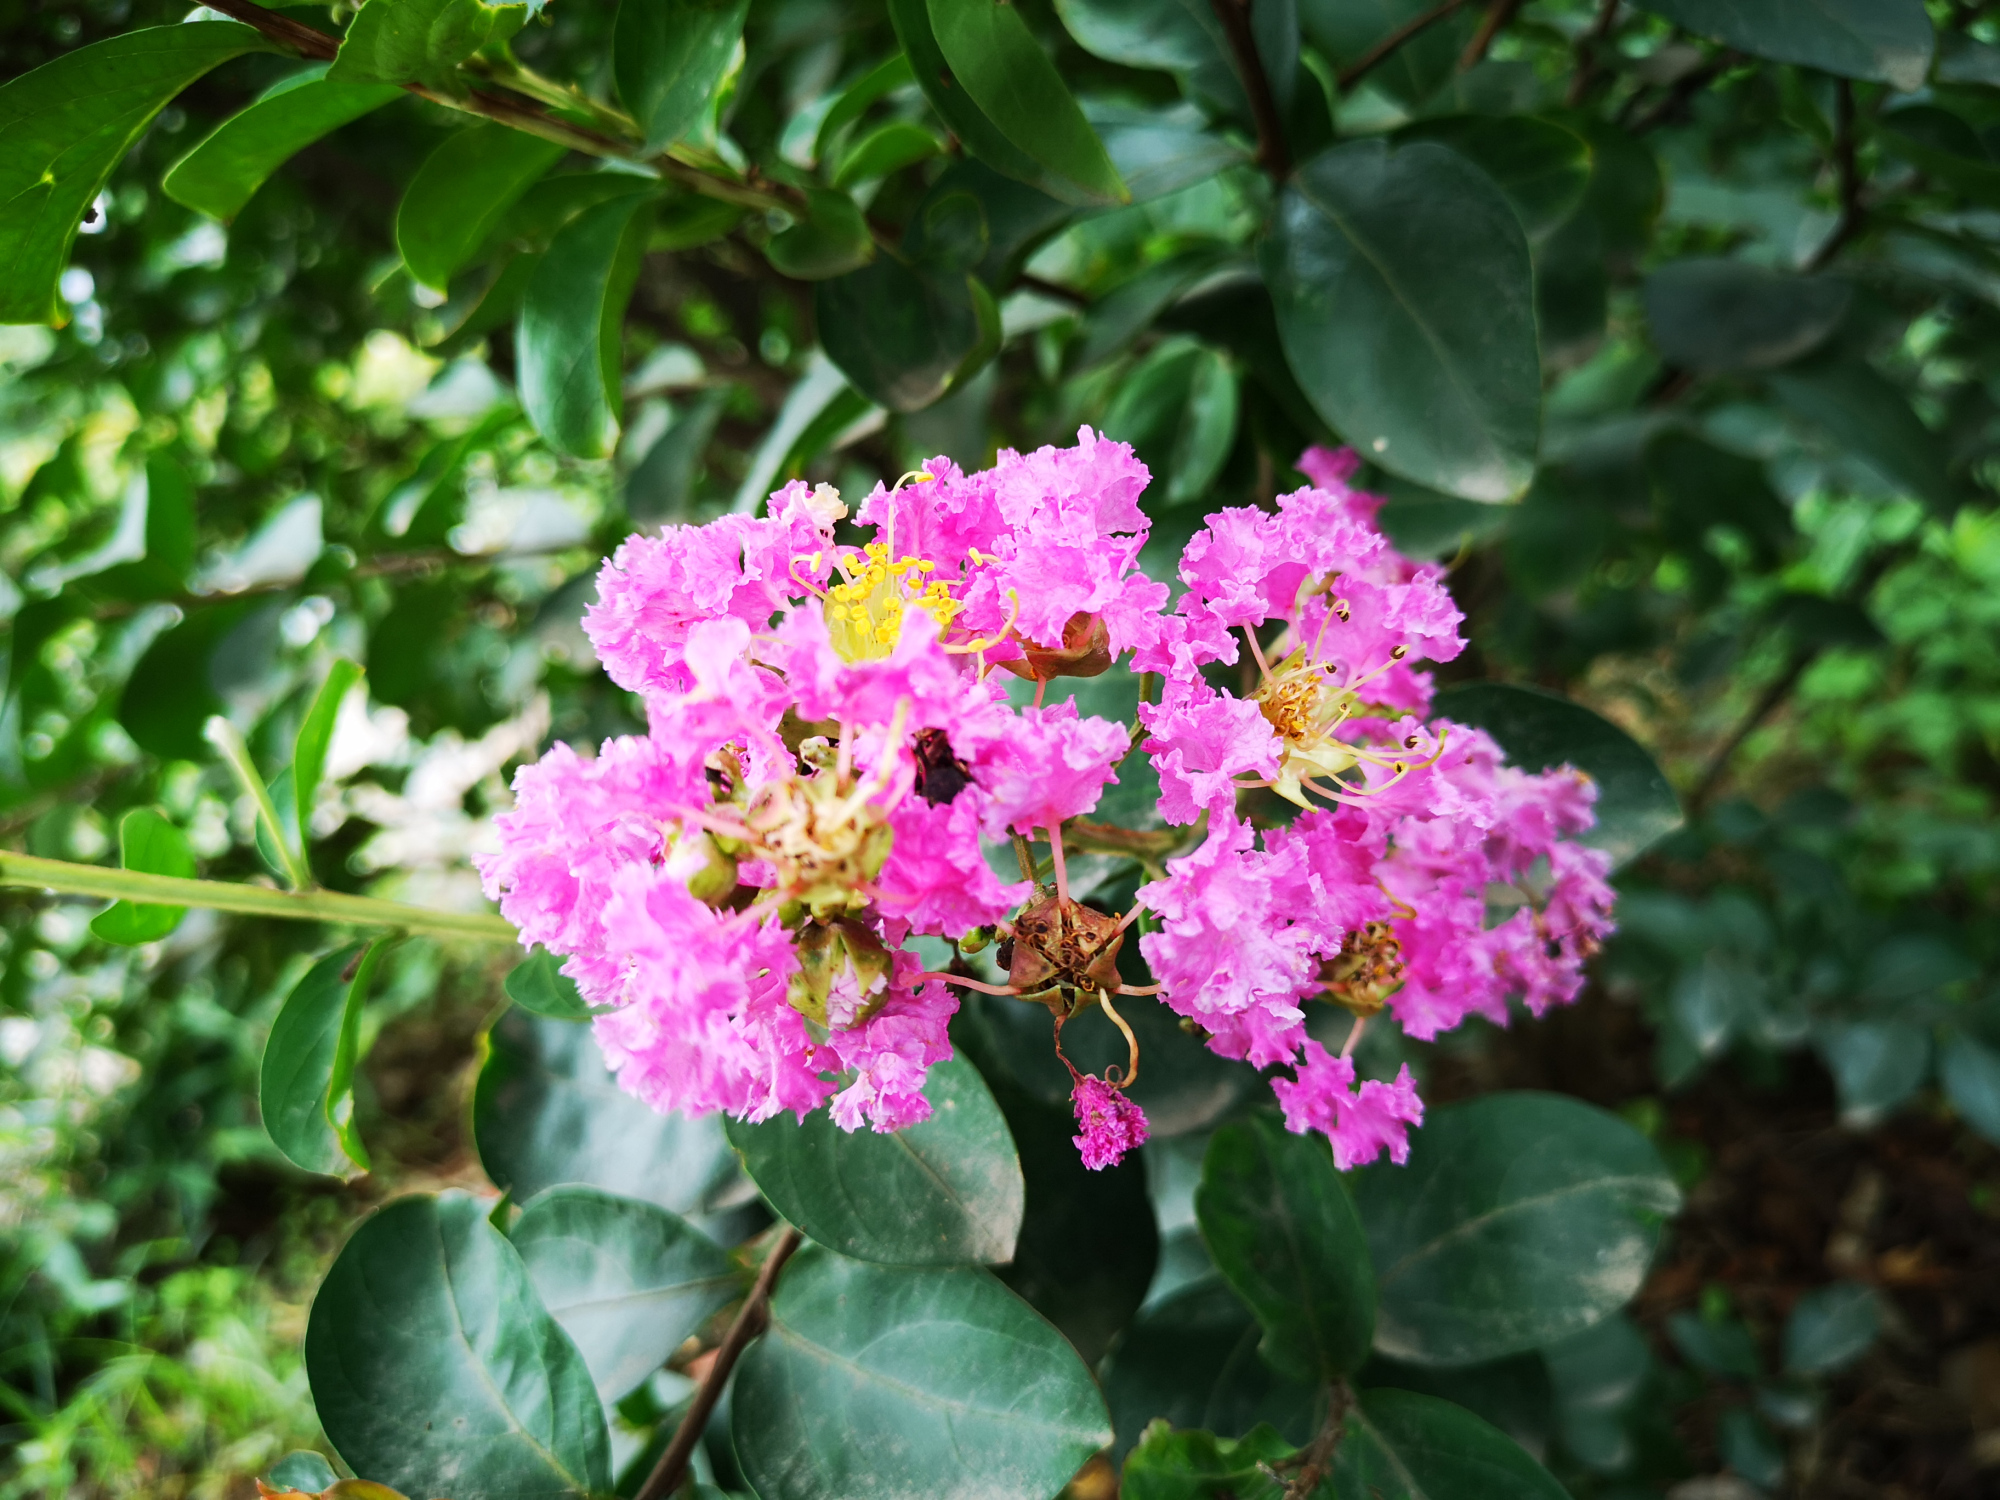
(829, 753)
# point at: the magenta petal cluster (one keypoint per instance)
(833, 767)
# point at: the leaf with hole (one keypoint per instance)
(148, 842)
(628, 1281)
(907, 1385)
(305, 1087)
(224, 171)
(945, 1192)
(1406, 305)
(66, 124)
(435, 1368)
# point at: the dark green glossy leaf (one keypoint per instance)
(1889, 41)
(1512, 1394)
(316, 734)
(884, 78)
(831, 240)
(305, 1089)
(66, 124)
(435, 1369)
(902, 334)
(907, 1385)
(668, 56)
(1181, 37)
(1403, 1446)
(980, 136)
(1541, 166)
(302, 1470)
(628, 1281)
(420, 41)
(537, 983)
(148, 842)
(996, 59)
(1170, 1465)
(461, 192)
(1868, 416)
(1971, 1077)
(1348, 30)
(1519, 1220)
(1406, 305)
(1709, 315)
(945, 1192)
(1282, 1231)
(547, 1111)
(171, 692)
(1128, 309)
(572, 320)
(1831, 1327)
(1162, 151)
(1635, 805)
(887, 148)
(222, 173)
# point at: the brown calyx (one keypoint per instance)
(1063, 953)
(1367, 970)
(1085, 652)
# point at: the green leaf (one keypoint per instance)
(1170, 1465)
(302, 1470)
(888, 148)
(902, 334)
(668, 56)
(461, 192)
(1178, 410)
(1971, 1077)
(1118, 318)
(1406, 305)
(907, 1385)
(305, 1088)
(1868, 416)
(572, 320)
(547, 1111)
(1520, 1219)
(945, 1192)
(171, 693)
(66, 124)
(996, 59)
(1830, 1328)
(1282, 1231)
(1710, 315)
(1181, 37)
(1348, 30)
(831, 240)
(420, 41)
(628, 1281)
(315, 735)
(232, 161)
(884, 78)
(1876, 1065)
(1403, 1446)
(1541, 166)
(1888, 41)
(537, 983)
(1635, 805)
(148, 842)
(435, 1369)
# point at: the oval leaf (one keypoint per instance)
(1403, 1446)
(945, 1192)
(1710, 315)
(901, 334)
(628, 1281)
(66, 124)
(435, 1369)
(1406, 304)
(1520, 1219)
(916, 1384)
(461, 192)
(315, 736)
(538, 984)
(979, 135)
(1889, 41)
(420, 41)
(1971, 1077)
(571, 321)
(1635, 805)
(1282, 1231)
(1181, 37)
(1831, 1327)
(667, 56)
(1541, 166)
(831, 240)
(305, 1089)
(888, 148)
(223, 172)
(997, 60)
(1872, 419)
(148, 842)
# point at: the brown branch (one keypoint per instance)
(1677, 97)
(1055, 291)
(1586, 52)
(1356, 70)
(294, 36)
(749, 1322)
(1319, 1456)
(1851, 211)
(1497, 15)
(1272, 154)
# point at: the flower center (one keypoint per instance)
(824, 836)
(864, 612)
(1367, 970)
(1060, 949)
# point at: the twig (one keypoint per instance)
(1682, 91)
(1497, 15)
(1319, 1456)
(749, 1322)
(1766, 704)
(1055, 291)
(1272, 154)
(1586, 52)
(1354, 71)
(1851, 211)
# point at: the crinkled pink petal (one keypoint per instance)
(1201, 741)
(1047, 766)
(936, 879)
(1361, 1123)
(1111, 1123)
(891, 1053)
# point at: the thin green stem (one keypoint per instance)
(226, 738)
(65, 878)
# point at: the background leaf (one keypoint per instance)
(1831, 1327)
(305, 1088)
(419, 41)
(1403, 1446)
(148, 842)
(910, 1383)
(461, 193)
(668, 56)
(538, 984)
(1716, 314)
(1886, 40)
(902, 334)
(436, 1371)
(316, 736)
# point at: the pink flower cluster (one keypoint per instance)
(829, 755)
